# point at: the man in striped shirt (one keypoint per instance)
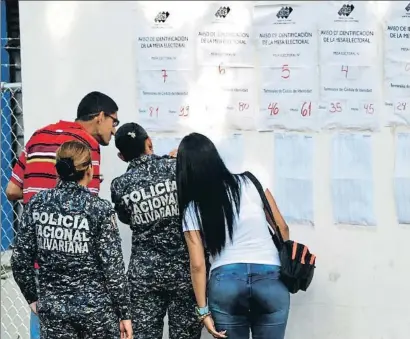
(95, 125)
(34, 171)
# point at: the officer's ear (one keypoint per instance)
(121, 156)
(149, 149)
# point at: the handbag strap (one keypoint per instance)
(277, 236)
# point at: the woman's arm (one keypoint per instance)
(197, 265)
(23, 257)
(283, 227)
(112, 264)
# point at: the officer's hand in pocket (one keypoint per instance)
(33, 307)
(126, 329)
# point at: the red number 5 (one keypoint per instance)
(285, 69)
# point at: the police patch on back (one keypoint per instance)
(62, 232)
(152, 203)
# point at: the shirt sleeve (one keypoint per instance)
(95, 183)
(123, 212)
(112, 265)
(24, 255)
(17, 176)
(190, 221)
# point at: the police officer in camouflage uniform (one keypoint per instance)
(145, 198)
(73, 234)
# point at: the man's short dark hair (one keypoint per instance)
(130, 140)
(93, 103)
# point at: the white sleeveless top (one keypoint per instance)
(252, 242)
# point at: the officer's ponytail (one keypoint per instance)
(73, 158)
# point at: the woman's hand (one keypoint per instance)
(210, 326)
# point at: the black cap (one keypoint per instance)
(130, 140)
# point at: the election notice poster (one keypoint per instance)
(164, 102)
(286, 34)
(349, 76)
(348, 33)
(288, 98)
(224, 35)
(228, 94)
(165, 37)
(349, 97)
(397, 62)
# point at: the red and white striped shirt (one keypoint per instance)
(35, 171)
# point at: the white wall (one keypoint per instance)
(360, 290)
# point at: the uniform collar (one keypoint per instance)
(71, 185)
(141, 160)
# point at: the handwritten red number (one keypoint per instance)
(401, 106)
(221, 70)
(164, 74)
(345, 69)
(335, 107)
(243, 106)
(306, 109)
(285, 69)
(274, 110)
(184, 111)
(153, 110)
(369, 108)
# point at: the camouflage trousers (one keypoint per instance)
(62, 321)
(159, 286)
(149, 307)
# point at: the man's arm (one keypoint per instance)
(14, 190)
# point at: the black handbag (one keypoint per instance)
(297, 263)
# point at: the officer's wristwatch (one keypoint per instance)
(202, 312)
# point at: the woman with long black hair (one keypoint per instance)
(222, 213)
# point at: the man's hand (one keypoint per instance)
(33, 307)
(13, 192)
(126, 329)
(173, 153)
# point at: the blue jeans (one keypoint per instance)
(245, 297)
(34, 326)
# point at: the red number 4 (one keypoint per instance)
(345, 69)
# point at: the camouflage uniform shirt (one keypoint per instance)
(74, 236)
(145, 198)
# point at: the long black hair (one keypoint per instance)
(204, 181)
